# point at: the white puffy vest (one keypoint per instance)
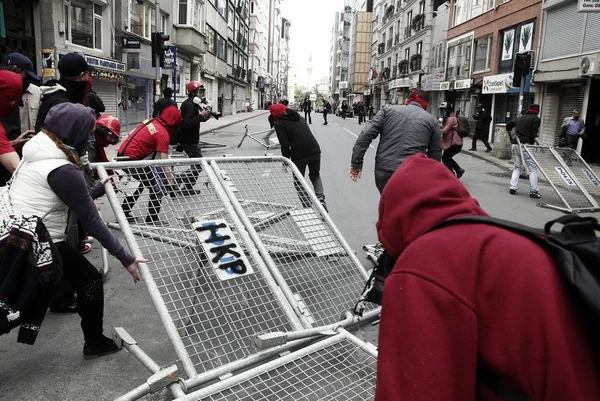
(30, 194)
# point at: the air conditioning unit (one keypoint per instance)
(589, 65)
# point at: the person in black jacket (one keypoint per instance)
(527, 129)
(307, 107)
(344, 109)
(164, 102)
(189, 133)
(93, 100)
(70, 88)
(360, 108)
(482, 129)
(300, 146)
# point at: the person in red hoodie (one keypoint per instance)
(450, 303)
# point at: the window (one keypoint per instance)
(389, 62)
(142, 19)
(221, 48)
(422, 7)
(419, 47)
(190, 13)
(211, 40)
(183, 7)
(483, 47)
(83, 23)
(465, 10)
(391, 32)
(231, 18)
(407, 53)
(222, 7)
(229, 54)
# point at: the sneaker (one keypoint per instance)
(104, 346)
(512, 191)
(535, 194)
(488, 150)
(85, 249)
(460, 173)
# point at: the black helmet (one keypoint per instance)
(447, 105)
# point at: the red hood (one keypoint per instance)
(170, 118)
(421, 194)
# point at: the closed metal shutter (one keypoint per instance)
(591, 42)
(564, 28)
(107, 91)
(570, 98)
(549, 113)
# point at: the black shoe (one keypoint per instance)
(65, 308)
(534, 195)
(472, 150)
(512, 191)
(130, 218)
(156, 222)
(104, 346)
(460, 172)
(189, 192)
(488, 150)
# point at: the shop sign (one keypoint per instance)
(171, 57)
(444, 86)
(131, 43)
(343, 85)
(436, 81)
(105, 64)
(462, 84)
(427, 82)
(588, 6)
(497, 83)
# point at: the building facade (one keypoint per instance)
(568, 72)
(360, 55)
(432, 81)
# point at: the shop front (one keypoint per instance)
(107, 79)
(432, 83)
(138, 91)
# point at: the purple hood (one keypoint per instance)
(72, 123)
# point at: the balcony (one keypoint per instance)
(381, 48)
(389, 43)
(415, 62)
(418, 22)
(403, 67)
(189, 39)
(397, 39)
(407, 32)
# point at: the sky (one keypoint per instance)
(310, 32)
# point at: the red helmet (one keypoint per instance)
(110, 122)
(193, 85)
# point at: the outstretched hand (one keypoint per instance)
(133, 268)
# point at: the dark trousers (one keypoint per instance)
(325, 116)
(190, 176)
(572, 141)
(361, 118)
(314, 174)
(483, 136)
(447, 158)
(381, 179)
(147, 180)
(87, 283)
(343, 114)
(307, 116)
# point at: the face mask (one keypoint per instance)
(443, 113)
(75, 89)
(26, 81)
(11, 85)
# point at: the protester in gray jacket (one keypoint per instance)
(405, 130)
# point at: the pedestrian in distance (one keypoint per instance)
(50, 183)
(300, 146)
(307, 107)
(164, 102)
(360, 108)
(454, 309)
(482, 129)
(370, 109)
(572, 129)
(326, 109)
(344, 109)
(150, 139)
(527, 129)
(405, 130)
(452, 143)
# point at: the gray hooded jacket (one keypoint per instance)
(405, 131)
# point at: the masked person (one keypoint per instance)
(452, 143)
(482, 129)
(70, 88)
(11, 90)
(50, 183)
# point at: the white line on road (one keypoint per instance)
(337, 124)
(356, 136)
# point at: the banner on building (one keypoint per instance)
(588, 6)
(48, 69)
(497, 83)
(343, 85)
(508, 44)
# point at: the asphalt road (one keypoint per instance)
(53, 369)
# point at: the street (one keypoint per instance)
(53, 369)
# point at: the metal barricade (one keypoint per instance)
(266, 138)
(569, 175)
(238, 247)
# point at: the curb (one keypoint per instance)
(492, 160)
(232, 123)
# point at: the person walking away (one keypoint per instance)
(11, 90)
(370, 108)
(20, 124)
(150, 138)
(452, 305)
(572, 129)
(405, 130)
(307, 107)
(452, 143)
(326, 107)
(482, 128)
(300, 146)
(164, 102)
(188, 135)
(344, 109)
(50, 183)
(527, 131)
(361, 112)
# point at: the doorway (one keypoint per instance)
(590, 150)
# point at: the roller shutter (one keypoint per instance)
(107, 91)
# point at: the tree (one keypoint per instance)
(298, 94)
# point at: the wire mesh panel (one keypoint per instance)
(560, 178)
(580, 170)
(304, 247)
(340, 371)
(216, 300)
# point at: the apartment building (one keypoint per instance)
(259, 38)
(360, 55)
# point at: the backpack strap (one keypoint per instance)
(130, 137)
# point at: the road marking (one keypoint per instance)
(356, 136)
(337, 124)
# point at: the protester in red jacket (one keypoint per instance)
(470, 292)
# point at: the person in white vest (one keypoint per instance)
(49, 183)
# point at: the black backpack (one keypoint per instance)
(576, 252)
(463, 127)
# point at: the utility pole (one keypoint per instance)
(157, 56)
